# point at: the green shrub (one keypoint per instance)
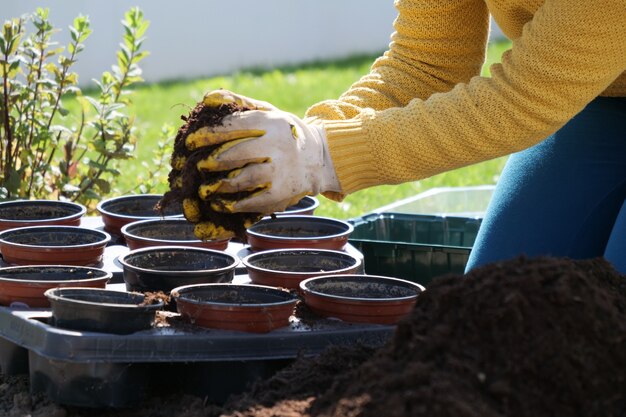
(46, 151)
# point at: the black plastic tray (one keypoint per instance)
(106, 370)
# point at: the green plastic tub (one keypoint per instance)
(415, 247)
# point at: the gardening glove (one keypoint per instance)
(272, 158)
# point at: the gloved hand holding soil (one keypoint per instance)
(237, 159)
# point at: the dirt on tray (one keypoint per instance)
(185, 179)
(527, 337)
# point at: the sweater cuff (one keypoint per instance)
(351, 155)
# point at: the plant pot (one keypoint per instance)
(166, 232)
(27, 284)
(360, 298)
(53, 245)
(248, 308)
(118, 211)
(305, 207)
(23, 213)
(288, 267)
(297, 231)
(162, 268)
(100, 310)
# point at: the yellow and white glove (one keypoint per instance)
(273, 157)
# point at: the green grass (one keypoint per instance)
(292, 89)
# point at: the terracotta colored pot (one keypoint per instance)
(101, 310)
(248, 308)
(161, 268)
(361, 298)
(288, 267)
(27, 284)
(118, 211)
(22, 213)
(295, 231)
(304, 207)
(48, 245)
(166, 232)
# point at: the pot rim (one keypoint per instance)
(175, 293)
(303, 287)
(349, 228)
(105, 238)
(315, 203)
(52, 296)
(81, 211)
(171, 219)
(246, 260)
(106, 274)
(101, 207)
(122, 260)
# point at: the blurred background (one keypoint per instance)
(197, 38)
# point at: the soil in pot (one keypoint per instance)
(288, 267)
(185, 179)
(361, 298)
(166, 232)
(248, 308)
(62, 245)
(21, 213)
(27, 284)
(299, 231)
(119, 211)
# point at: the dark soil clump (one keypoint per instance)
(184, 182)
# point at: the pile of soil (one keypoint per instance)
(527, 337)
(184, 181)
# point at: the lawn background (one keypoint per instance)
(292, 89)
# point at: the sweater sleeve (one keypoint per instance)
(436, 45)
(567, 55)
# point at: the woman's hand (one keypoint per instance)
(268, 159)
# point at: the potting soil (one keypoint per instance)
(184, 182)
(526, 337)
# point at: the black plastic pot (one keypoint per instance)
(162, 268)
(100, 310)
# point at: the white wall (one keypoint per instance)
(192, 38)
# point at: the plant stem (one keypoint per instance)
(42, 51)
(7, 123)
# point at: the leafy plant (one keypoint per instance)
(45, 151)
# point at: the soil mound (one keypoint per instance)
(527, 337)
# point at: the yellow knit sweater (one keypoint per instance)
(423, 109)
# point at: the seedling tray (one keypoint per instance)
(92, 369)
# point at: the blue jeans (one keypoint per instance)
(565, 196)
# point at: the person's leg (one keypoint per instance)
(560, 197)
(616, 247)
